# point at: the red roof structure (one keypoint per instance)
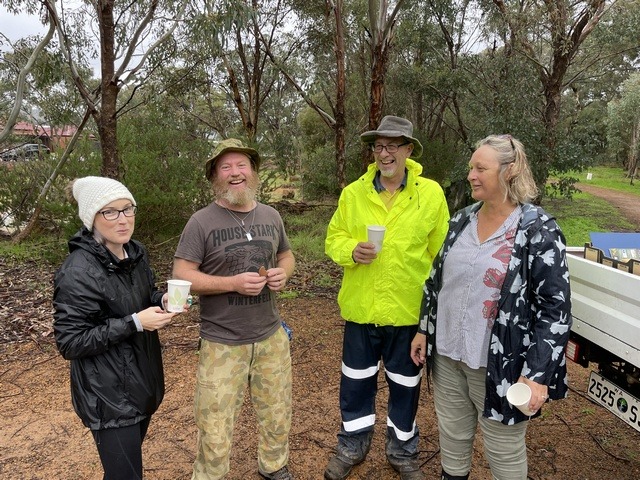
(54, 138)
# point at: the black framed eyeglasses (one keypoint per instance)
(391, 148)
(112, 214)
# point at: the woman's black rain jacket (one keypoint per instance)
(117, 378)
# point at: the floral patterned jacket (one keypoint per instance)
(533, 316)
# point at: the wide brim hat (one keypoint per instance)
(230, 145)
(391, 127)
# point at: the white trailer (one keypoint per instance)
(606, 331)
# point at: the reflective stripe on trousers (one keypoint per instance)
(365, 349)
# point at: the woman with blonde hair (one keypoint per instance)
(499, 297)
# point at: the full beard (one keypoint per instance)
(236, 198)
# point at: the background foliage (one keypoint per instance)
(267, 72)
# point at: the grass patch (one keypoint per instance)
(613, 178)
(307, 232)
(585, 213)
(49, 249)
(288, 294)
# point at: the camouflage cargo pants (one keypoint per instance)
(224, 372)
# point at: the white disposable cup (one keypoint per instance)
(178, 291)
(375, 235)
(519, 396)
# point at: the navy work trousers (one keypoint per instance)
(364, 346)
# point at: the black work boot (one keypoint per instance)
(408, 469)
(282, 474)
(338, 469)
(446, 476)
(352, 449)
(410, 473)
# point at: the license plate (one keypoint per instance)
(615, 399)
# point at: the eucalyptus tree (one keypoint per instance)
(350, 44)
(624, 124)
(549, 34)
(430, 70)
(382, 16)
(17, 81)
(48, 95)
(324, 30)
(608, 57)
(238, 33)
(125, 36)
(443, 77)
(280, 134)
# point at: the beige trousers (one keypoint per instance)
(224, 373)
(458, 394)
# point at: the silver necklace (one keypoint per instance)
(240, 221)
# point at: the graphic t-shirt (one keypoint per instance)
(222, 246)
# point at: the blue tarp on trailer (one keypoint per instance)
(617, 245)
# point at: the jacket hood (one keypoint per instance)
(533, 217)
(84, 240)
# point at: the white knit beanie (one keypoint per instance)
(93, 193)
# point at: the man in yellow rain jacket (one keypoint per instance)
(381, 294)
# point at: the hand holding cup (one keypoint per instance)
(178, 295)
(375, 235)
(519, 396)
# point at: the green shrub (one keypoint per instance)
(307, 232)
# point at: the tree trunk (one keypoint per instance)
(551, 116)
(569, 26)
(255, 83)
(340, 118)
(633, 151)
(106, 117)
(379, 57)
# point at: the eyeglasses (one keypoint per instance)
(112, 214)
(391, 148)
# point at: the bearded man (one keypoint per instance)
(236, 254)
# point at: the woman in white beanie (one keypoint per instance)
(107, 313)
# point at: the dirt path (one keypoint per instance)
(627, 203)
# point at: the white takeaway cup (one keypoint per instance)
(519, 396)
(178, 291)
(375, 235)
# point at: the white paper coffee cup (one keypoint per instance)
(375, 235)
(519, 396)
(178, 291)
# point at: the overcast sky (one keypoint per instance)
(18, 26)
(23, 25)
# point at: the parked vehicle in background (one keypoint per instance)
(606, 329)
(27, 151)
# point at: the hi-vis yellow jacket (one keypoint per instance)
(389, 290)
